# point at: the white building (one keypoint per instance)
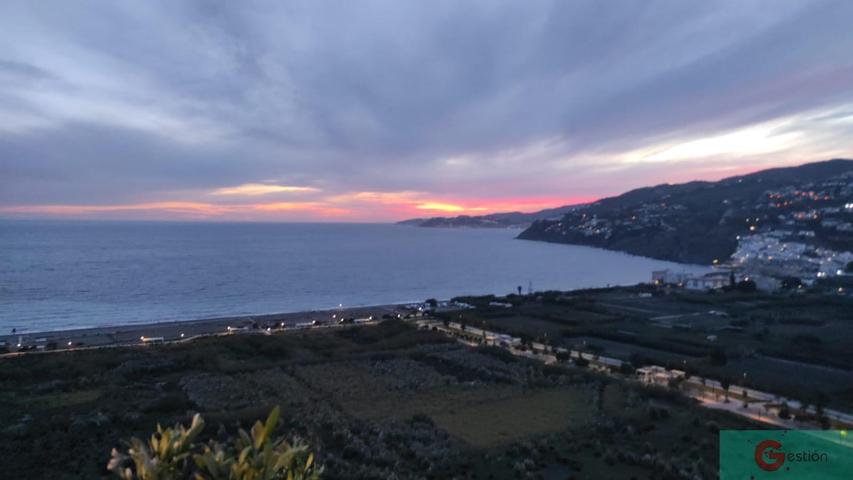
(709, 281)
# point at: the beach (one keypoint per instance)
(172, 331)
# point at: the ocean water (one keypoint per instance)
(58, 275)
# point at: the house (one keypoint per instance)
(709, 281)
(765, 284)
(657, 375)
(668, 277)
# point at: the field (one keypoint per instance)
(792, 344)
(385, 401)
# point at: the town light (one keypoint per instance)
(182, 335)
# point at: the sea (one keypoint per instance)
(59, 275)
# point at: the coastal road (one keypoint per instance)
(128, 335)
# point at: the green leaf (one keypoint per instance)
(243, 454)
(272, 420)
(258, 434)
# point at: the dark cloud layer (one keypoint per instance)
(107, 103)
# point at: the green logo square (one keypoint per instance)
(785, 454)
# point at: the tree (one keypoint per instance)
(718, 357)
(173, 454)
(433, 303)
(725, 383)
(746, 286)
(820, 401)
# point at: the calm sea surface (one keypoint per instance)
(61, 274)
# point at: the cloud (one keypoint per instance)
(469, 104)
(445, 207)
(253, 189)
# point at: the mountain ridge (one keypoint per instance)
(702, 222)
(691, 222)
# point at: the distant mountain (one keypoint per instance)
(494, 220)
(699, 222)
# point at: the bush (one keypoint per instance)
(718, 357)
(807, 339)
(172, 454)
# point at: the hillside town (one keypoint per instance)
(787, 228)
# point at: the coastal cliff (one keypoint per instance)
(696, 222)
(702, 222)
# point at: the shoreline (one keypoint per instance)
(175, 330)
(235, 317)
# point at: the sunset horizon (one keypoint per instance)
(357, 207)
(378, 112)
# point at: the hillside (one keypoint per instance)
(494, 220)
(699, 222)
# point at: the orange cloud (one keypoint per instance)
(167, 210)
(253, 189)
(404, 197)
(355, 206)
(447, 207)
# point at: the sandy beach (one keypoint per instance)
(120, 335)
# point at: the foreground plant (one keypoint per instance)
(172, 454)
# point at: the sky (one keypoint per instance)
(375, 111)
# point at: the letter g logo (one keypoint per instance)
(778, 457)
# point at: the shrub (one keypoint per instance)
(172, 454)
(626, 368)
(718, 357)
